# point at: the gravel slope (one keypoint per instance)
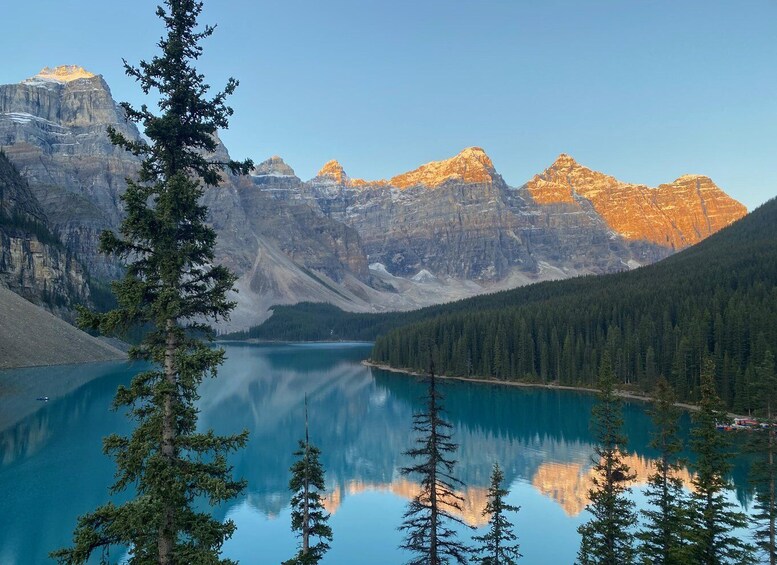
(30, 336)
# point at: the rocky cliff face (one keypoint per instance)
(33, 262)
(53, 128)
(674, 215)
(458, 219)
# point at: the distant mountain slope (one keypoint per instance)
(718, 299)
(30, 336)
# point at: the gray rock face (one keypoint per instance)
(54, 131)
(243, 211)
(53, 128)
(273, 167)
(33, 262)
(472, 227)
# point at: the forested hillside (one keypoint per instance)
(718, 299)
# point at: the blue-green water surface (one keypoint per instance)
(52, 469)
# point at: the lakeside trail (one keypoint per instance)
(551, 386)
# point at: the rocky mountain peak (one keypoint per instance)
(274, 166)
(565, 161)
(673, 215)
(685, 179)
(333, 170)
(63, 73)
(471, 166)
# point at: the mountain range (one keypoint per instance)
(446, 230)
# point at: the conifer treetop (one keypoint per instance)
(184, 133)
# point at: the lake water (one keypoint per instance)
(52, 469)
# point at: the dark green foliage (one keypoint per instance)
(310, 321)
(763, 444)
(170, 286)
(426, 521)
(607, 537)
(713, 519)
(17, 222)
(496, 547)
(665, 527)
(717, 299)
(308, 516)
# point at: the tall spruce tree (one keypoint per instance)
(713, 519)
(308, 516)
(763, 473)
(497, 547)
(607, 537)
(172, 287)
(427, 520)
(665, 528)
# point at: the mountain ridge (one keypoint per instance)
(665, 215)
(443, 231)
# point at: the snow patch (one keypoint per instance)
(380, 268)
(275, 175)
(424, 276)
(25, 118)
(18, 117)
(42, 82)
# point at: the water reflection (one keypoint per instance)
(52, 468)
(361, 419)
(569, 483)
(472, 505)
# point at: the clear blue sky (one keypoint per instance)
(643, 90)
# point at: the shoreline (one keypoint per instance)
(520, 384)
(259, 341)
(63, 363)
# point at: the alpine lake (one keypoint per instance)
(52, 468)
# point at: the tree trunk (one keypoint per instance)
(772, 558)
(433, 477)
(167, 527)
(306, 507)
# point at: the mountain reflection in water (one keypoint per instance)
(360, 418)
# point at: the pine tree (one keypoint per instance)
(607, 537)
(496, 547)
(308, 516)
(763, 474)
(713, 520)
(427, 519)
(172, 287)
(665, 529)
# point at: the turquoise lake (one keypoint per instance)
(52, 468)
